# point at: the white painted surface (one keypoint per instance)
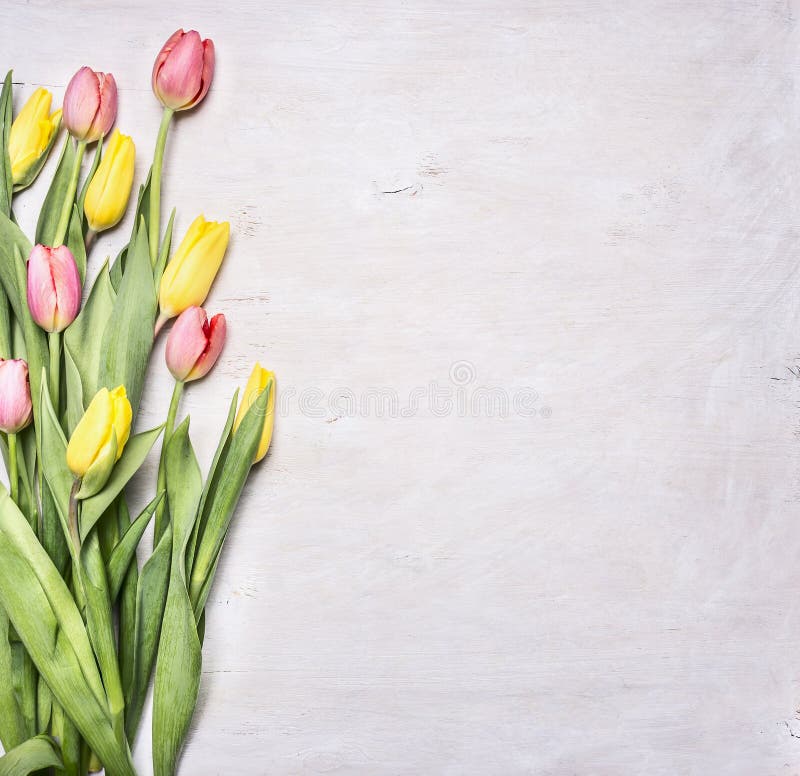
(597, 201)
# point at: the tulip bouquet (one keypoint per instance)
(84, 628)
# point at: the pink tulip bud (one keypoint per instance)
(54, 287)
(15, 396)
(183, 70)
(90, 104)
(194, 344)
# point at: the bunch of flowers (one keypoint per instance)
(83, 628)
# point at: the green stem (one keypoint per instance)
(155, 186)
(69, 198)
(161, 510)
(54, 340)
(13, 474)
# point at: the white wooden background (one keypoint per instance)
(596, 201)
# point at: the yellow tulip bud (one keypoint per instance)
(31, 137)
(188, 277)
(99, 439)
(110, 188)
(260, 380)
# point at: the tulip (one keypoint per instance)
(194, 344)
(31, 138)
(15, 396)
(54, 287)
(188, 277)
(90, 104)
(183, 70)
(110, 187)
(260, 380)
(99, 439)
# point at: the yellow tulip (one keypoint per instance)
(260, 380)
(99, 439)
(31, 137)
(188, 277)
(110, 188)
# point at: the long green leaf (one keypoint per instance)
(151, 596)
(125, 550)
(126, 601)
(38, 604)
(233, 475)
(6, 336)
(36, 753)
(133, 456)
(72, 377)
(98, 155)
(179, 660)
(56, 194)
(25, 681)
(12, 726)
(67, 734)
(6, 183)
(212, 482)
(100, 625)
(53, 462)
(74, 240)
(128, 338)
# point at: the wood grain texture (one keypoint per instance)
(596, 201)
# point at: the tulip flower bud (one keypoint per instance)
(99, 439)
(31, 138)
(110, 187)
(15, 396)
(189, 275)
(90, 104)
(194, 344)
(260, 380)
(54, 287)
(183, 70)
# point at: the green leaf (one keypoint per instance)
(151, 596)
(142, 213)
(65, 731)
(179, 660)
(74, 241)
(128, 338)
(125, 550)
(100, 625)
(41, 607)
(36, 753)
(6, 183)
(236, 467)
(53, 460)
(98, 155)
(212, 482)
(12, 726)
(54, 200)
(133, 456)
(74, 391)
(6, 344)
(127, 603)
(44, 704)
(25, 680)
(82, 335)
(166, 246)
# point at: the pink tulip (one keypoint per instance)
(194, 344)
(54, 287)
(15, 396)
(183, 70)
(90, 104)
